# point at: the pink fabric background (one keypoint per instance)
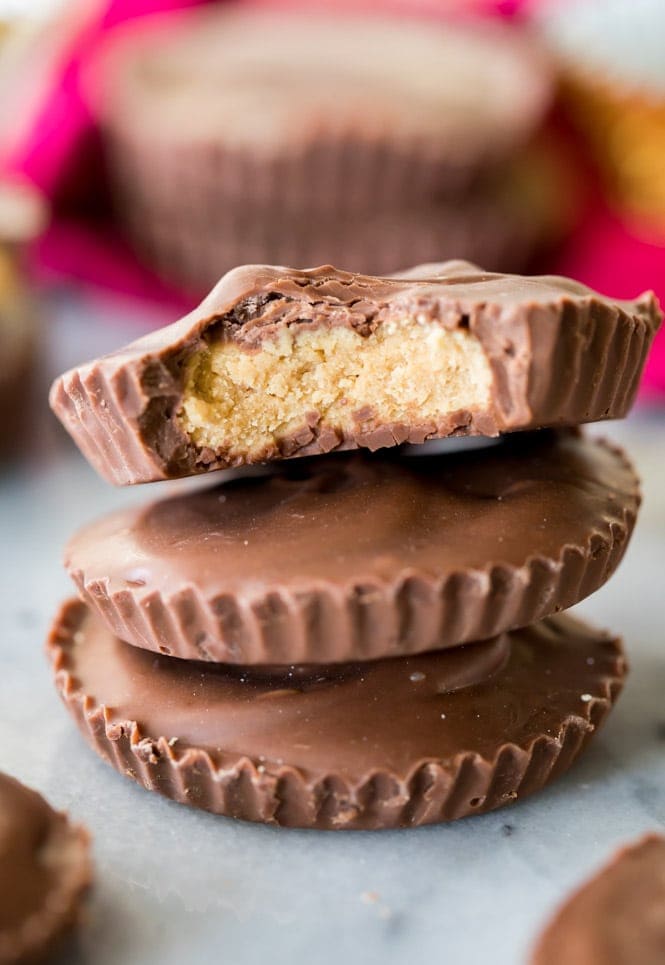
(58, 152)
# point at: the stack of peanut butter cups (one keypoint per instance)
(368, 635)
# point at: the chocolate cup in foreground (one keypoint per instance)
(392, 743)
(616, 918)
(354, 557)
(45, 871)
(255, 107)
(277, 362)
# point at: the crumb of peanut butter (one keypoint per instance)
(374, 898)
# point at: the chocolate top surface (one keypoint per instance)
(258, 297)
(388, 715)
(616, 918)
(442, 290)
(351, 520)
(271, 80)
(43, 866)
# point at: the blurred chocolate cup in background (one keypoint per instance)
(612, 58)
(526, 207)
(236, 135)
(23, 216)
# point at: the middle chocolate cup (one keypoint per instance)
(360, 557)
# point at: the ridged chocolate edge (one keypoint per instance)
(338, 623)
(192, 237)
(362, 174)
(591, 369)
(432, 792)
(42, 933)
(563, 363)
(183, 253)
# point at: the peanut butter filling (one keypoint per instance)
(245, 401)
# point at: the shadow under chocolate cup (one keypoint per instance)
(354, 557)
(392, 743)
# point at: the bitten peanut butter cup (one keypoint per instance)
(277, 362)
(616, 918)
(391, 743)
(354, 557)
(45, 871)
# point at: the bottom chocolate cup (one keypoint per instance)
(390, 743)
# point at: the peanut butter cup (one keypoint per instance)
(616, 918)
(44, 873)
(389, 743)
(354, 557)
(277, 362)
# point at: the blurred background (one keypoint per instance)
(148, 146)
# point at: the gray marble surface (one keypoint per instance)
(177, 886)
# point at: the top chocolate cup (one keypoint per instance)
(312, 113)
(277, 362)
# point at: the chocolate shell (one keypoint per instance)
(616, 918)
(354, 557)
(44, 872)
(391, 743)
(539, 352)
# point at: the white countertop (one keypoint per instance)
(178, 886)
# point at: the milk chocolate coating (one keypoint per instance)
(353, 557)
(558, 352)
(616, 918)
(391, 743)
(44, 872)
